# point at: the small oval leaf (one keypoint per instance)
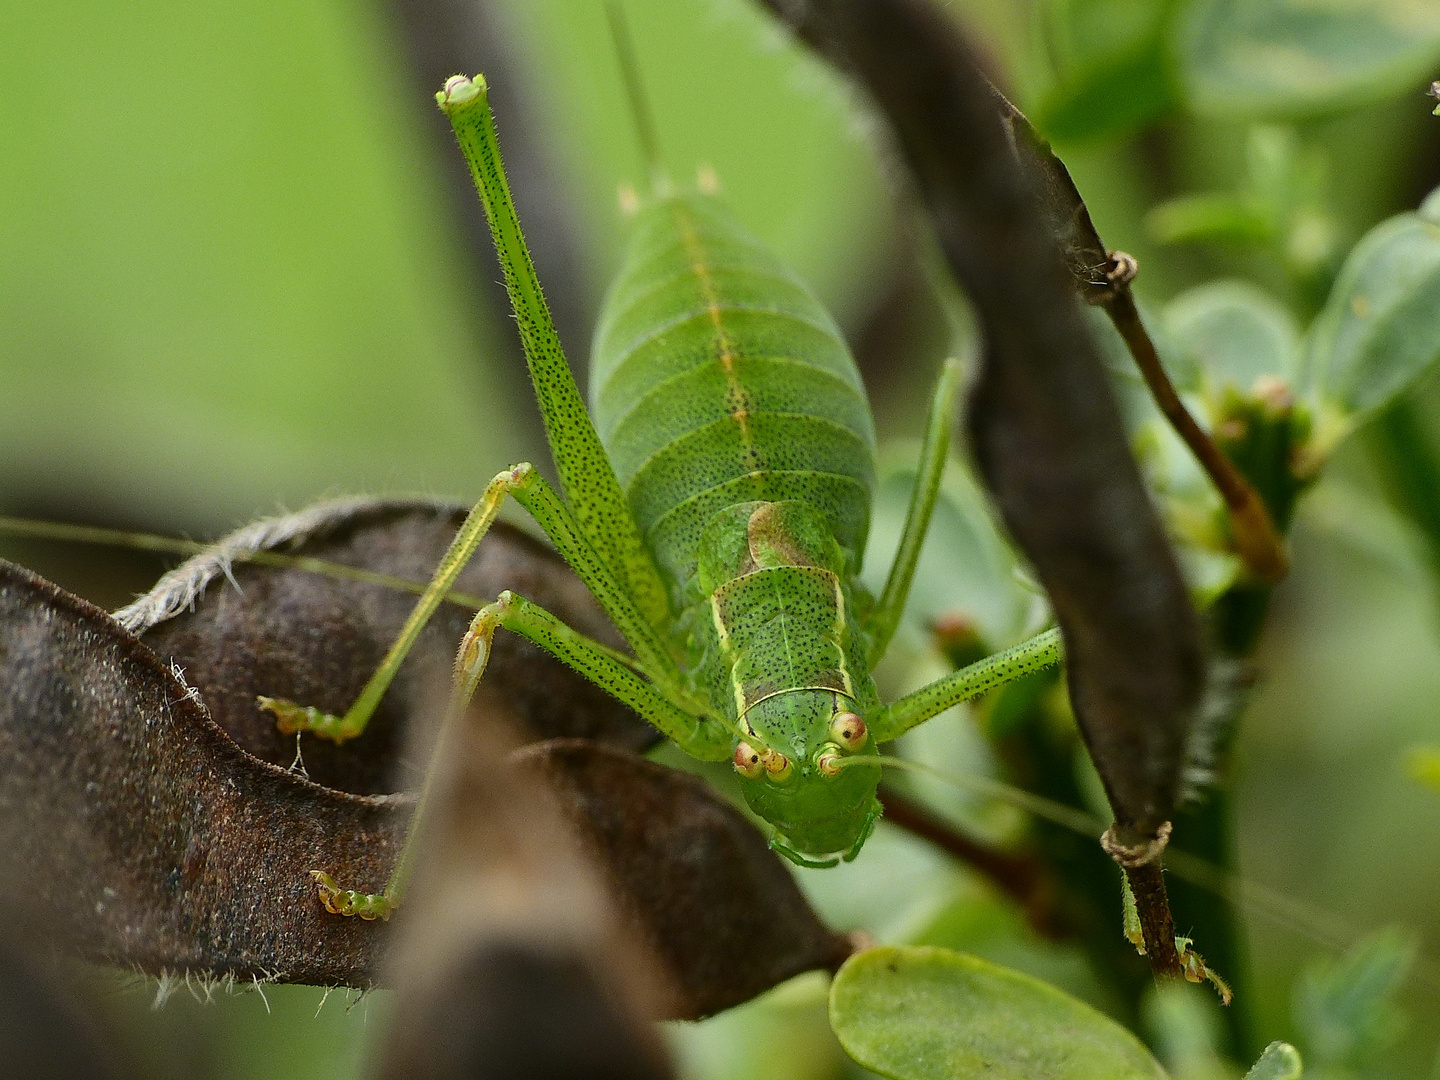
(917, 1013)
(1280, 1061)
(1230, 333)
(1380, 329)
(1279, 58)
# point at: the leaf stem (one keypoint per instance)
(1256, 539)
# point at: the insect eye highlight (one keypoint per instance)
(748, 761)
(849, 730)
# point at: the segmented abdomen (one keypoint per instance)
(717, 378)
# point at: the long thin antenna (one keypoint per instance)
(635, 91)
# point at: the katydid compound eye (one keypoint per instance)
(747, 761)
(828, 762)
(778, 766)
(849, 730)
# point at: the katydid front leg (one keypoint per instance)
(1034, 654)
(699, 736)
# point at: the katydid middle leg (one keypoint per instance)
(886, 615)
(699, 736)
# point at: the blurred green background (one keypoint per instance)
(233, 280)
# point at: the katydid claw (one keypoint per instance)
(1197, 971)
(291, 719)
(348, 902)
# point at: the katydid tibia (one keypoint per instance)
(719, 515)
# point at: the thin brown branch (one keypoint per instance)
(1103, 277)
(1256, 539)
(1147, 883)
(1138, 855)
(1022, 878)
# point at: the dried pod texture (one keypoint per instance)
(239, 630)
(511, 961)
(695, 879)
(136, 832)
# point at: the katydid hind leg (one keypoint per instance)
(885, 617)
(587, 477)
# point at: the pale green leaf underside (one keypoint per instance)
(1380, 329)
(924, 1013)
(1231, 333)
(1280, 1061)
(1292, 57)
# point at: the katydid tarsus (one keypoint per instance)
(716, 502)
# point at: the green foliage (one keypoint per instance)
(1345, 1007)
(1219, 217)
(1185, 1028)
(1113, 71)
(966, 565)
(1380, 329)
(1228, 336)
(1117, 68)
(1278, 207)
(1281, 58)
(924, 1013)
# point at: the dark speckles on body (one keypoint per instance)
(718, 378)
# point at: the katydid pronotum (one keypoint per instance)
(719, 516)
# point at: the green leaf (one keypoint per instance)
(1220, 218)
(918, 1013)
(1345, 1007)
(1280, 1061)
(1286, 58)
(1089, 107)
(1231, 334)
(1114, 72)
(1380, 329)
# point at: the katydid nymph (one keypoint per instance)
(716, 502)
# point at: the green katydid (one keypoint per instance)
(719, 516)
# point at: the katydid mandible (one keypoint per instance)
(716, 502)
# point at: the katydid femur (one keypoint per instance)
(719, 515)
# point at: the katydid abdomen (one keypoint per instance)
(716, 379)
(739, 430)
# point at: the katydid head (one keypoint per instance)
(794, 775)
